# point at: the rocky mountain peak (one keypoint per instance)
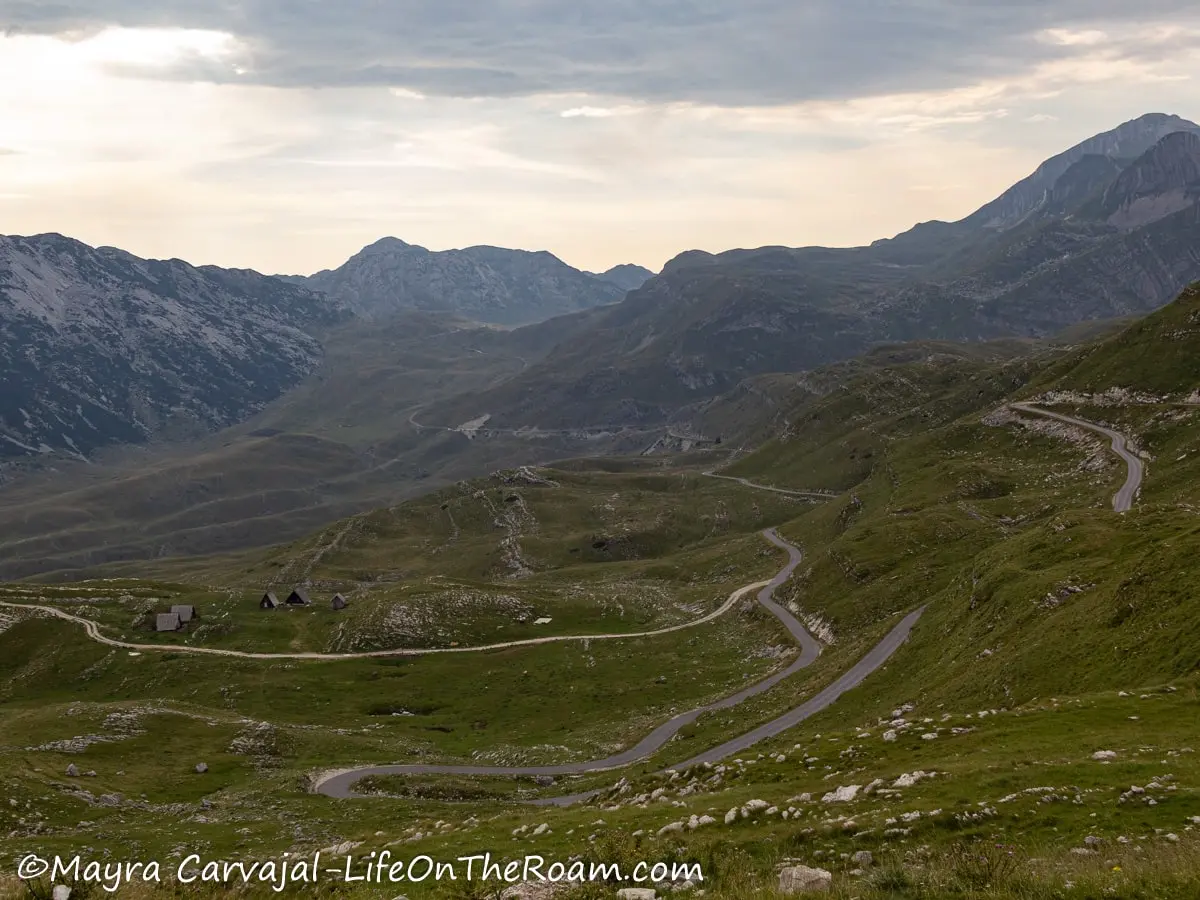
(626, 276)
(1127, 141)
(488, 284)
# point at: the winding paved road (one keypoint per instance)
(1121, 445)
(340, 784)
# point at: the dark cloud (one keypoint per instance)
(722, 51)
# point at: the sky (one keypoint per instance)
(284, 135)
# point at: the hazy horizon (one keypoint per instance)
(246, 135)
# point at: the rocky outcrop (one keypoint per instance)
(805, 880)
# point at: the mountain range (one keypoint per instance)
(98, 346)
(487, 284)
(364, 383)
(1108, 229)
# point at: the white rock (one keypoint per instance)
(61, 892)
(889, 736)
(804, 879)
(731, 816)
(541, 829)
(636, 894)
(753, 806)
(669, 829)
(863, 858)
(1104, 754)
(705, 820)
(842, 794)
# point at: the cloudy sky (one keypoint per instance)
(283, 135)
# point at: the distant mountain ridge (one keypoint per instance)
(1110, 228)
(626, 276)
(488, 284)
(98, 346)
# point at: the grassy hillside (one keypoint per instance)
(1054, 629)
(1155, 355)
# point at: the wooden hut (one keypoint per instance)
(298, 597)
(339, 602)
(268, 601)
(185, 613)
(167, 622)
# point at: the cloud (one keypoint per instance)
(754, 52)
(283, 135)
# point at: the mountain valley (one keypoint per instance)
(863, 570)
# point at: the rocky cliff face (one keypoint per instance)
(98, 346)
(1126, 141)
(487, 284)
(1163, 181)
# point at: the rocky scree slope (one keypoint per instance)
(98, 346)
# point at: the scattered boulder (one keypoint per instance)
(72, 771)
(843, 794)
(863, 858)
(61, 892)
(1104, 754)
(636, 894)
(541, 829)
(201, 768)
(669, 829)
(543, 780)
(804, 879)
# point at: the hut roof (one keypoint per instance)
(299, 597)
(339, 602)
(269, 600)
(167, 622)
(186, 613)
